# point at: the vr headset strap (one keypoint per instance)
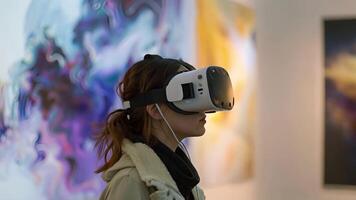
(151, 97)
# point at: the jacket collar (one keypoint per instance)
(147, 163)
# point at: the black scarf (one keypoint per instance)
(179, 167)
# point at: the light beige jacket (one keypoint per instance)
(140, 174)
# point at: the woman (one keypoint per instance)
(141, 146)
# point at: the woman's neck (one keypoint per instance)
(167, 138)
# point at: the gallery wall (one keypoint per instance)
(290, 107)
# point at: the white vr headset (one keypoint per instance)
(199, 90)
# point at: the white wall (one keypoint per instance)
(289, 141)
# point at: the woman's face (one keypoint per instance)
(184, 125)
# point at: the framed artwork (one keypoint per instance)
(340, 102)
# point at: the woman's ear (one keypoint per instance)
(153, 112)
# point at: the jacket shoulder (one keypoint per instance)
(125, 184)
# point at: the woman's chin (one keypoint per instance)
(199, 132)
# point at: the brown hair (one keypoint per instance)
(147, 74)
